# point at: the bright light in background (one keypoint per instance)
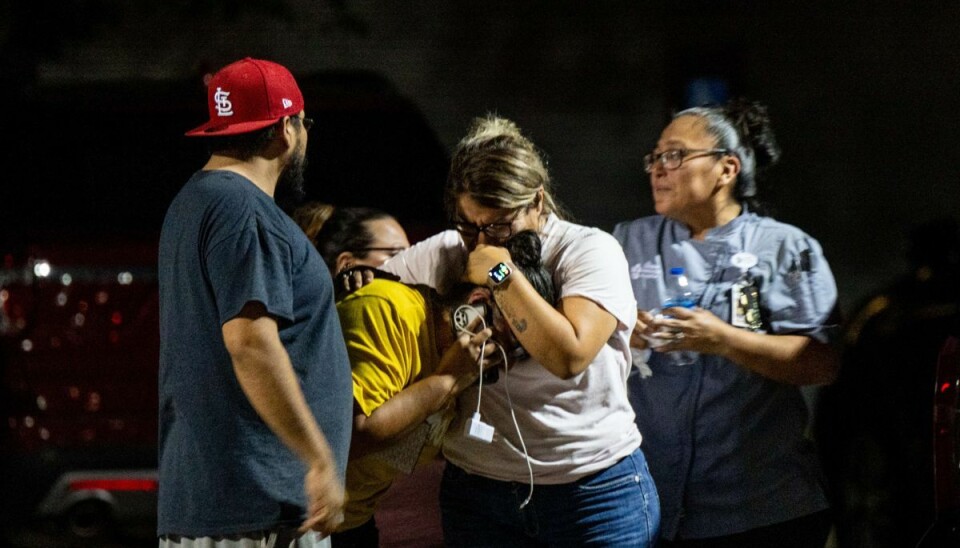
(124, 278)
(41, 269)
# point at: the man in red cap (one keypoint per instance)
(255, 388)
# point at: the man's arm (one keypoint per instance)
(265, 374)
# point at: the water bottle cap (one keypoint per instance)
(676, 271)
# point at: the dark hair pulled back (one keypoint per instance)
(525, 252)
(346, 230)
(744, 128)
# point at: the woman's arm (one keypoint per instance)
(402, 412)
(566, 339)
(435, 262)
(791, 359)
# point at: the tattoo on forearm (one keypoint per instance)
(518, 324)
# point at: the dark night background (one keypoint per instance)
(863, 94)
(864, 97)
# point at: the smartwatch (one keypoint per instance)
(499, 273)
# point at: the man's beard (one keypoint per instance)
(290, 186)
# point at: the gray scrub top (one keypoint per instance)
(726, 446)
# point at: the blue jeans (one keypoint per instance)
(614, 507)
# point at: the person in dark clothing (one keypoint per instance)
(255, 400)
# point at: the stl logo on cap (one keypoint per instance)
(249, 95)
(222, 100)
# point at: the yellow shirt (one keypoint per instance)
(388, 328)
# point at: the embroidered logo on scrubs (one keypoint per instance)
(648, 271)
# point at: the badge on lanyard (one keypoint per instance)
(744, 294)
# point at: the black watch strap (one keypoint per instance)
(499, 273)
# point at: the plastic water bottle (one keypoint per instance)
(678, 289)
(679, 295)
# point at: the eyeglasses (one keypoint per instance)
(307, 123)
(497, 231)
(673, 158)
(391, 251)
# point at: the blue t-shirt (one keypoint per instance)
(726, 446)
(225, 243)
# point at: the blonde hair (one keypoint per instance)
(499, 168)
(311, 216)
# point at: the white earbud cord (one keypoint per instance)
(516, 425)
(463, 330)
(506, 387)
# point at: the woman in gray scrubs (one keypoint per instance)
(724, 434)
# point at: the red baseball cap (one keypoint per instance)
(248, 95)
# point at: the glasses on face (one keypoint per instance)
(307, 123)
(674, 157)
(497, 231)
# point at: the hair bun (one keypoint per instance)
(525, 252)
(751, 120)
(524, 248)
